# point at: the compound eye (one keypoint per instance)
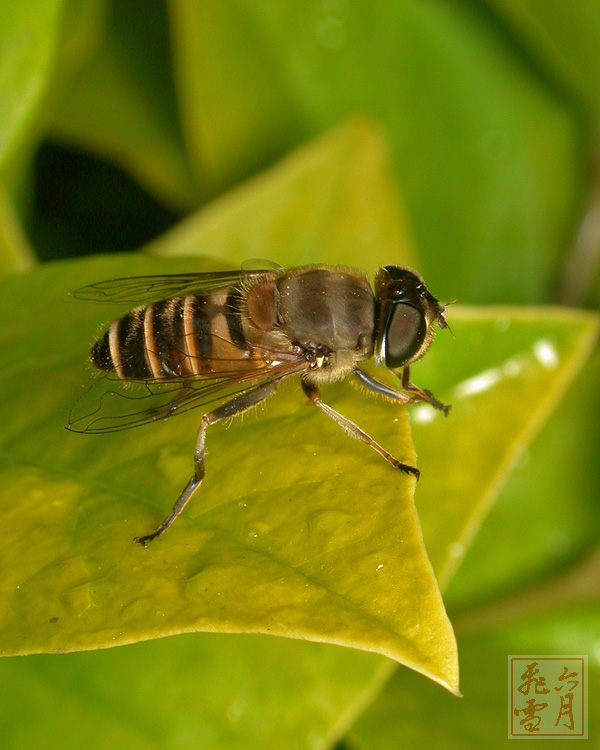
(405, 333)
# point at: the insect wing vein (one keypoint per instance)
(111, 405)
(138, 290)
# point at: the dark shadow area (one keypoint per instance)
(83, 205)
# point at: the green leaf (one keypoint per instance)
(237, 110)
(121, 104)
(548, 507)
(527, 359)
(15, 252)
(84, 25)
(507, 345)
(504, 373)
(332, 201)
(564, 37)
(28, 34)
(288, 536)
(401, 715)
(488, 158)
(217, 692)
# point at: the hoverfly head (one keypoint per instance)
(407, 312)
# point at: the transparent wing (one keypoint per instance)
(138, 290)
(111, 404)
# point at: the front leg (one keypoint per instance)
(380, 388)
(422, 394)
(387, 391)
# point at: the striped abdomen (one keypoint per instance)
(176, 338)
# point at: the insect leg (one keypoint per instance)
(382, 389)
(421, 393)
(387, 391)
(232, 408)
(314, 395)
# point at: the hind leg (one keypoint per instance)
(233, 408)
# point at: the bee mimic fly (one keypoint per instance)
(231, 337)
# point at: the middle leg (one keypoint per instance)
(351, 428)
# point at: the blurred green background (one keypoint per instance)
(118, 120)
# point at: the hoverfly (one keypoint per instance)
(232, 337)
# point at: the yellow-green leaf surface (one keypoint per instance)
(332, 201)
(298, 531)
(487, 360)
(28, 33)
(121, 103)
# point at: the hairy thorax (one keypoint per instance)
(334, 366)
(326, 317)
